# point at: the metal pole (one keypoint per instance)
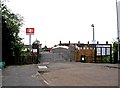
(93, 36)
(117, 30)
(30, 41)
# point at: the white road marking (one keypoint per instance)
(42, 67)
(46, 82)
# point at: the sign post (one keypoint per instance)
(30, 41)
(30, 31)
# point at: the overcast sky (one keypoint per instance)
(67, 20)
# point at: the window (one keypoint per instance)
(107, 51)
(84, 48)
(103, 51)
(98, 51)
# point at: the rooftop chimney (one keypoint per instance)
(78, 42)
(97, 42)
(88, 42)
(106, 42)
(69, 42)
(60, 42)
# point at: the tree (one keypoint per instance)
(115, 50)
(11, 42)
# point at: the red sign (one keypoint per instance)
(30, 31)
(34, 51)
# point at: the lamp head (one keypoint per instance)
(92, 25)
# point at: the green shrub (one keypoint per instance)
(106, 59)
(26, 53)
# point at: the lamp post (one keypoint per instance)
(93, 34)
(117, 29)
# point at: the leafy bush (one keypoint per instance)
(106, 59)
(26, 53)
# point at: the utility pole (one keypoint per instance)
(118, 30)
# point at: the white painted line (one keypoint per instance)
(46, 82)
(42, 67)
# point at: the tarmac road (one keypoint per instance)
(61, 74)
(81, 74)
(25, 75)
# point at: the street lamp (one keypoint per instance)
(93, 34)
(117, 29)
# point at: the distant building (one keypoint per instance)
(69, 43)
(27, 47)
(37, 42)
(88, 52)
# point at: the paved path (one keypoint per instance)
(25, 75)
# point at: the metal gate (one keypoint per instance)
(85, 53)
(53, 57)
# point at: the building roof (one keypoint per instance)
(66, 47)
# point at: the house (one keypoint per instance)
(89, 52)
(46, 49)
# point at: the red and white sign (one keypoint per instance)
(30, 31)
(34, 51)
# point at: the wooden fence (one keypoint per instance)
(21, 60)
(86, 52)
